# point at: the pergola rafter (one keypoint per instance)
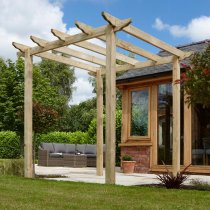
(95, 48)
(101, 67)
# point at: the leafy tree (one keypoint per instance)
(78, 117)
(11, 94)
(60, 75)
(195, 80)
(45, 92)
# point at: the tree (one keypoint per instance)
(60, 75)
(45, 92)
(78, 117)
(195, 80)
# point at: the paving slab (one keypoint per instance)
(88, 175)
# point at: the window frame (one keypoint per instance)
(130, 137)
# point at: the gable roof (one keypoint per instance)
(155, 71)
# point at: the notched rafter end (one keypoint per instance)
(82, 27)
(37, 41)
(58, 34)
(114, 22)
(20, 47)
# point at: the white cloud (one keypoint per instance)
(22, 18)
(196, 30)
(83, 89)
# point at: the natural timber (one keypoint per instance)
(120, 43)
(99, 160)
(71, 52)
(143, 36)
(110, 105)
(59, 58)
(176, 116)
(74, 39)
(28, 130)
(94, 47)
(163, 60)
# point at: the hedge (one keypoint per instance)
(77, 137)
(9, 145)
(12, 167)
(92, 133)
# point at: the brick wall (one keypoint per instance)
(141, 154)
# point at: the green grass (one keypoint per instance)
(28, 194)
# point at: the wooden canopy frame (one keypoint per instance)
(106, 67)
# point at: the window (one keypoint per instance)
(139, 112)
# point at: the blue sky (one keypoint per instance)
(175, 22)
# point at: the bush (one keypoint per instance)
(12, 167)
(127, 158)
(77, 137)
(92, 133)
(173, 182)
(9, 145)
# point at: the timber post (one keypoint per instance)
(99, 149)
(176, 116)
(110, 105)
(28, 129)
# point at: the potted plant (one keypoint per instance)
(128, 164)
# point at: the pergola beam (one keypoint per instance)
(143, 36)
(76, 38)
(120, 43)
(71, 52)
(94, 47)
(58, 58)
(139, 65)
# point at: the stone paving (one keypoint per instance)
(89, 175)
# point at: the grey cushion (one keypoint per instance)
(48, 146)
(91, 155)
(81, 148)
(90, 149)
(56, 154)
(59, 148)
(70, 148)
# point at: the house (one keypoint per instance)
(147, 119)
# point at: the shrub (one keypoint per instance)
(127, 158)
(77, 137)
(195, 80)
(9, 145)
(12, 167)
(92, 133)
(173, 182)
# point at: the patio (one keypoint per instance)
(89, 175)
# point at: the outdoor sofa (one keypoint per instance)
(69, 155)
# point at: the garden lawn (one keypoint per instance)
(28, 194)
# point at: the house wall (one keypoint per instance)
(144, 149)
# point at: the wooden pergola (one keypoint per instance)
(106, 67)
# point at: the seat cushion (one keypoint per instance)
(59, 148)
(48, 146)
(70, 148)
(91, 155)
(80, 148)
(56, 154)
(90, 149)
